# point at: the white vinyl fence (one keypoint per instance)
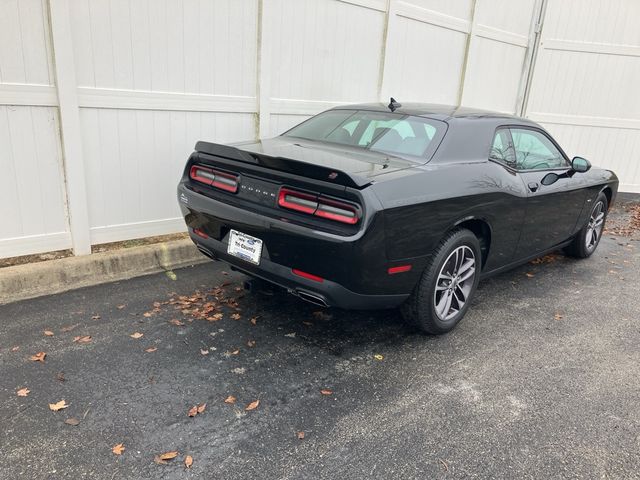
(101, 101)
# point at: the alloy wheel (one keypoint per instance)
(595, 226)
(454, 282)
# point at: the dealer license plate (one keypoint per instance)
(245, 246)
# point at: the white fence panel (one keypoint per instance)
(585, 79)
(32, 196)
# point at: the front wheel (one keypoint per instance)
(586, 240)
(448, 283)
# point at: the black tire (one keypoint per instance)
(582, 245)
(420, 307)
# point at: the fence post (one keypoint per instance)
(384, 89)
(264, 74)
(70, 132)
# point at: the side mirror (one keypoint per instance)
(580, 165)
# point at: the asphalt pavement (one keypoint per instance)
(540, 380)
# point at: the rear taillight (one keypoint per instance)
(319, 206)
(215, 178)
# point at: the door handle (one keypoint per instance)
(533, 186)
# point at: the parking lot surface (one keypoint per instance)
(540, 380)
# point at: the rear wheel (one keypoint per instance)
(586, 241)
(448, 283)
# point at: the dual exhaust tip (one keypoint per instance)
(256, 285)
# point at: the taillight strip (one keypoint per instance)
(214, 178)
(318, 205)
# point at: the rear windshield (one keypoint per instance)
(393, 133)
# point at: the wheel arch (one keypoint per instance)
(482, 230)
(609, 194)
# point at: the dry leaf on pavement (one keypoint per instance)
(58, 406)
(38, 357)
(235, 316)
(254, 320)
(557, 316)
(163, 457)
(300, 435)
(193, 411)
(72, 421)
(118, 449)
(377, 356)
(82, 339)
(530, 275)
(230, 400)
(137, 335)
(23, 392)
(95, 317)
(252, 405)
(48, 333)
(176, 322)
(15, 349)
(150, 349)
(204, 351)
(201, 407)
(251, 343)
(326, 391)
(188, 461)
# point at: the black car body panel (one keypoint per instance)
(405, 204)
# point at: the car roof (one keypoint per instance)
(438, 112)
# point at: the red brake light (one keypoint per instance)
(301, 202)
(214, 178)
(319, 206)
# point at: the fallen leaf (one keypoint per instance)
(72, 421)
(120, 307)
(254, 320)
(151, 349)
(201, 407)
(147, 314)
(235, 316)
(557, 316)
(530, 275)
(251, 343)
(163, 457)
(176, 322)
(252, 406)
(215, 317)
(60, 377)
(326, 391)
(15, 349)
(193, 411)
(23, 392)
(58, 406)
(300, 435)
(137, 335)
(48, 333)
(204, 351)
(95, 317)
(377, 356)
(290, 335)
(230, 400)
(38, 357)
(68, 328)
(235, 352)
(118, 449)
(188, 461)
(83, 339)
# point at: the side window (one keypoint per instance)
(502, 149)
(534, 150)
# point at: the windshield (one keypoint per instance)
(393, 133)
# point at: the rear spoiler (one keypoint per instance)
(282, 164)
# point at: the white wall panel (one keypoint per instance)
(584, 83)
(418, 68)
(32, 209)
(324, 50)
(134, 160)
(187, 46)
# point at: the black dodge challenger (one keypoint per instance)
(373, 206)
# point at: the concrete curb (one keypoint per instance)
(44, 278)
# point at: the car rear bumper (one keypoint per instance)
(352, 268)
(325, 293)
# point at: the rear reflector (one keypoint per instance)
(308, 276)
(200, 233)
(399, 269)
(319, 206)
(215, 178)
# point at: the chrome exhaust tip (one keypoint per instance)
(311, 298)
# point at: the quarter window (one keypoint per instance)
(535, 151)
(502, 148)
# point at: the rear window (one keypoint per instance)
(393, 133)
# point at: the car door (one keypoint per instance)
(551, 210)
